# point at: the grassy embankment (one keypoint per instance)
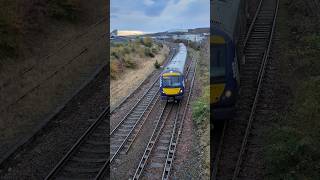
(200, 107)
(131, 63)
(294, 139)
(19, 19)
(126, 56)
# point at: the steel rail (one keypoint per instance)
(171, 55)
(77, 144)
(174, 141)
(156, 80)
(58, 69)
(218, 155)
(105, 166)
(145, 157)
(188, 69)
(251, 25)
(153, 139)
(137, 121)
(258, 82)
(139, 129)
(134, 106)
(251, 118)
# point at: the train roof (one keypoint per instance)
(224, 14)
(178, 61)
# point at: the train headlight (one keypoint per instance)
(181, 91)
(228, 94)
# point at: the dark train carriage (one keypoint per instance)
(228, 25)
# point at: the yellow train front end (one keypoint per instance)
(171, 85)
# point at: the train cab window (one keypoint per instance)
(218, 61)
(172, 81)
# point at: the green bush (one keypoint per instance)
(114, 54)
(147, 41)
(155, 50)
(129, 63)
(148, 52)
(157, 65)
(126, 50)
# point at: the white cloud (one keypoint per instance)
(148, 2)
(175, 15)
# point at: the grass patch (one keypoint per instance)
(293, 143)
(293, 151)
(201, 108)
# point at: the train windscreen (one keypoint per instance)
(218, 61)
(171, 81)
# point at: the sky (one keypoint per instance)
(151, 16)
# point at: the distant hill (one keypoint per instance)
(199, 30)
(196, 31)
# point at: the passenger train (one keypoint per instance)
(227, 25)
(172, 85)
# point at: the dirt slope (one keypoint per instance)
(63, 57)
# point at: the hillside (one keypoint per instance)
(48, 50)
(131, 63)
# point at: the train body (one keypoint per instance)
(228, 24)
(172, 85)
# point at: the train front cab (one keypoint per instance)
(172, 86)
(224, 76)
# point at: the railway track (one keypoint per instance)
(125, 133)
(231, 141)
(88, 155)
(127, 130)
(122, 136)
(158, 156)
(171, 55)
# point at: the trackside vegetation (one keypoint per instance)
(129, 55)
(294, 139)
(200, 106)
